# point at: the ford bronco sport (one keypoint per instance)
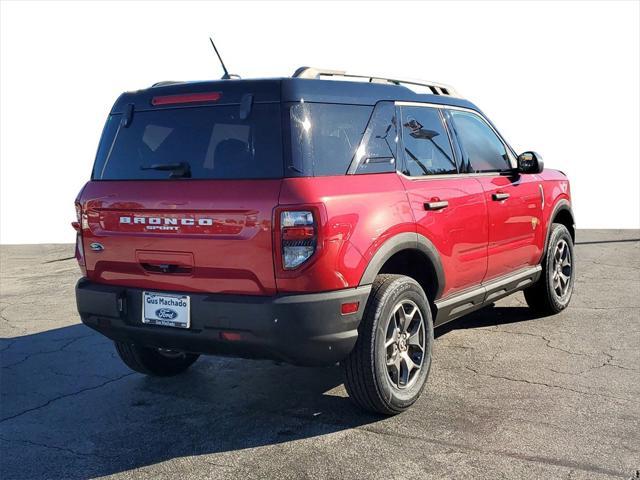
(316, 219)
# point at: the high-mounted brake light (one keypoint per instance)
(298, 236)
(186, 98)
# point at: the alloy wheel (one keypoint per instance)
(562, 269)
(405, 344)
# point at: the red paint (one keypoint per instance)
(231, 240)
(234, 254)
(186, 98)
(516, 230)
(459, 231)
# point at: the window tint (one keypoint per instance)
(482, 150)
(324, 137)
(212, 141)
(377, 151)
(427, 149)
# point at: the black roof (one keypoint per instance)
(287, 90)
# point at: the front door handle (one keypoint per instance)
(439, 205)
(500, 196)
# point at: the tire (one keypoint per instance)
(552, 292)
(153, 362)
(371, 382)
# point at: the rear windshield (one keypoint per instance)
(324, 137)
(211, 142)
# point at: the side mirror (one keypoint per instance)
(530, 162)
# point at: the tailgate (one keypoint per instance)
(200, 236)
(183, 189)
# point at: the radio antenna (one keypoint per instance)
(226, 75)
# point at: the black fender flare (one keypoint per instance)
(562, 204)
(405, 241)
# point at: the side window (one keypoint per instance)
(324, 137)
(427, 149)
(377, 150)
(482, 150)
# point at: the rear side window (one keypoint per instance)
(324, 137)
(205, 142)
(377, 152)
(427, 149)
(482, 150)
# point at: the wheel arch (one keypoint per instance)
(409, 254)
(563, 214)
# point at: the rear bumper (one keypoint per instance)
(303, 329)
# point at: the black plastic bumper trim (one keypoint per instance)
(306, 329)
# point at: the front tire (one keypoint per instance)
(389, 365)
(552, 292)
(154, 361)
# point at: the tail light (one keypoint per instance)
(298, 234)
(81, 223)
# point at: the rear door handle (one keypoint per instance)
(500, 196)
(439, 205)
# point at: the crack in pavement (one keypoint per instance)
(610, 265)
(576, 307)
(55, 447)
(66, 395)
(542, 337)
(45, 352)
(549, 385)
(9, 343)
(463, 347)
(11, 325)
(500, 453)
(77, 375)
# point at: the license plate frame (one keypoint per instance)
(166, 309)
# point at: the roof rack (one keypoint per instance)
(164, 83)
(318, 73)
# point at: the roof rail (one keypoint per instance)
(318, 73)
(164, 83)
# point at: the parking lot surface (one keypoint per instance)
(510, 395)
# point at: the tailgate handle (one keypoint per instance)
(165, 262)
(165, 268)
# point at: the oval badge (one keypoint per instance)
(96, 247)
(166, 313)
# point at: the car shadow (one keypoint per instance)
(70, 408)
(487, 317)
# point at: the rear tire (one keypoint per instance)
(552, 292)
(389, 365)
(153, 361)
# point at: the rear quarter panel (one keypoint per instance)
(360, 213)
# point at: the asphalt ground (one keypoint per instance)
(510, 395)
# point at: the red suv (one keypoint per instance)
(316, 219)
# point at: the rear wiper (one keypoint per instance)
(179, 170)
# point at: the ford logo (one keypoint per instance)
(96, 247)
(166, 313)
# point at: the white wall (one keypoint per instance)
(558, 78)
